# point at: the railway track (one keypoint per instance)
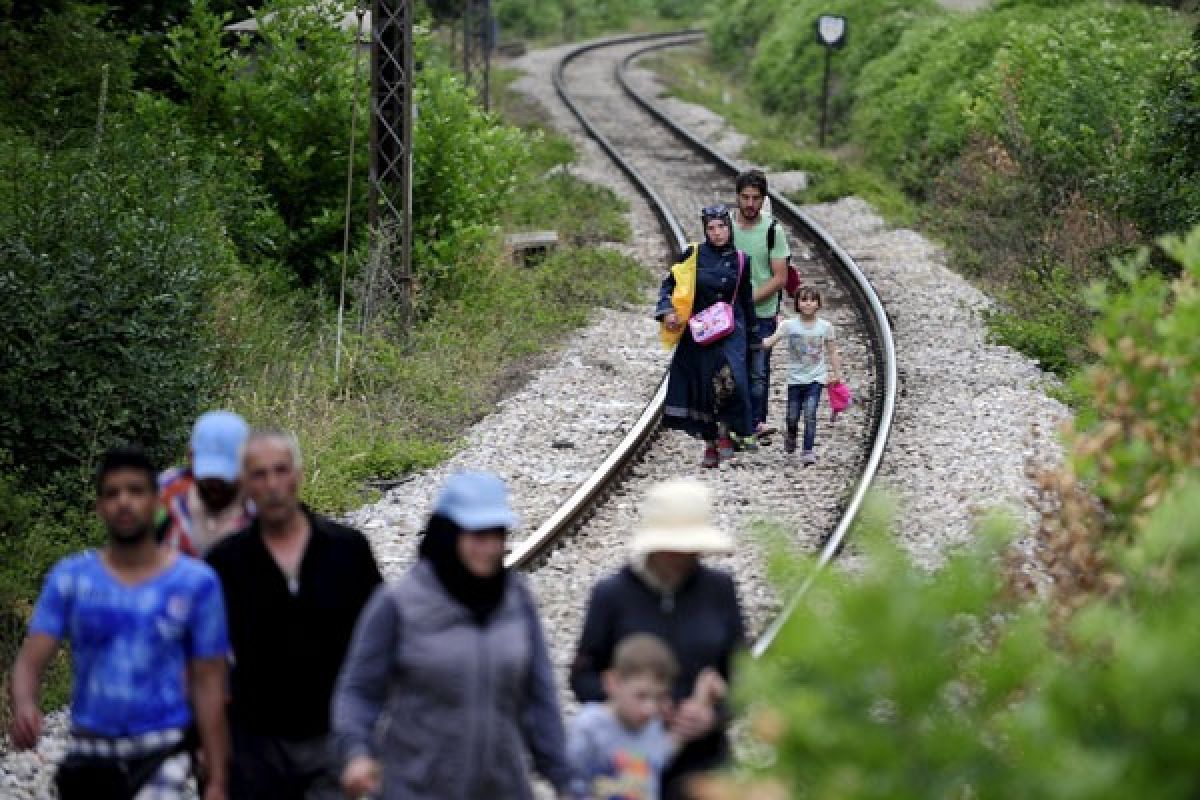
(678, 173)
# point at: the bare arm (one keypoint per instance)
(776, 283)
(207, 682)
(27, 673)
(774, 338)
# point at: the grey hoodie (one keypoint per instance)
(460, 703)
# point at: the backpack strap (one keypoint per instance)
(771, 237)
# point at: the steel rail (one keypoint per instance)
(579, 504)
(856, 282)
(845, 269)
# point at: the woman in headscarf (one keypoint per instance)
(708, 390)
(666, 591)
(452, 656)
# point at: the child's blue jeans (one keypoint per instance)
(804, 397)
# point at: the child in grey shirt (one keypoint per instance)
(619, 748)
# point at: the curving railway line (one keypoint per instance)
(583, 538)
(678, 174)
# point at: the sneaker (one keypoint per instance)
(725, 448)
(710, 457)
(763, 429)
(808, 458)
(789, 443)
(747, 443)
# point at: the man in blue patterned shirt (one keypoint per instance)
(148, 651)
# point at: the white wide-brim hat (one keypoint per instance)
(677, 517)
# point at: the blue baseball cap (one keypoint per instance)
(476, 501)
(216, 441)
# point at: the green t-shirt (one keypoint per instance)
(753, 242)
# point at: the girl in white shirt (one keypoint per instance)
(813, 361)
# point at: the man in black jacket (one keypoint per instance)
(667, 592)
(294, 585)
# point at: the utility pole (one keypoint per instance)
(390, 215)
(479, 38)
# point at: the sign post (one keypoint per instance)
(831, 32)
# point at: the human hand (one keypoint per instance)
(710, 687)
(671, 322)
(214, 791)
(26, 726)
(692, 719)
(361, 776)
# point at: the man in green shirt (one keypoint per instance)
(768, 252)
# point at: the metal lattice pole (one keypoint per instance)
(478, 35)
(391, 149)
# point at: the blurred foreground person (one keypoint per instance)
(204, 501)
(148, 645)
(453, 653)
(294, 584)
(667, 592)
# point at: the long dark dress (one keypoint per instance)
(693, 403)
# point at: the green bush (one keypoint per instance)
(1141, 432)
(1044, 317)
(1049, 95)
(1163, 193)
(897, 684)
(52, 69)
(284, 113)
(107, 255)
(37, 527)
(467, 170)
(523, 18)
(912, 104)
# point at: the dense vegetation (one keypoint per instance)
(172, 241)
(896, 684)
(1039, 139)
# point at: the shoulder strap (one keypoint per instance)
(771, 237)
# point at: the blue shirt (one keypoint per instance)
(130, 645)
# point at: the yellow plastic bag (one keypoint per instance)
(682, 298)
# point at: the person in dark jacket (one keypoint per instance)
(453, 657)
(294, 585)
(708, 389)
(667, 592)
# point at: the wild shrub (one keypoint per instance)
(282, 110)
(467, 170)
(37, 527)
(47, 92)
(1049, 93)
(525, 18)
(1163, 193)
(898, 684)
(788, 63)
(108, 254)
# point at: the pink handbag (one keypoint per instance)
(839, 398)
(717, 321)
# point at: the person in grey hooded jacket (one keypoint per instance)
(452, 658)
